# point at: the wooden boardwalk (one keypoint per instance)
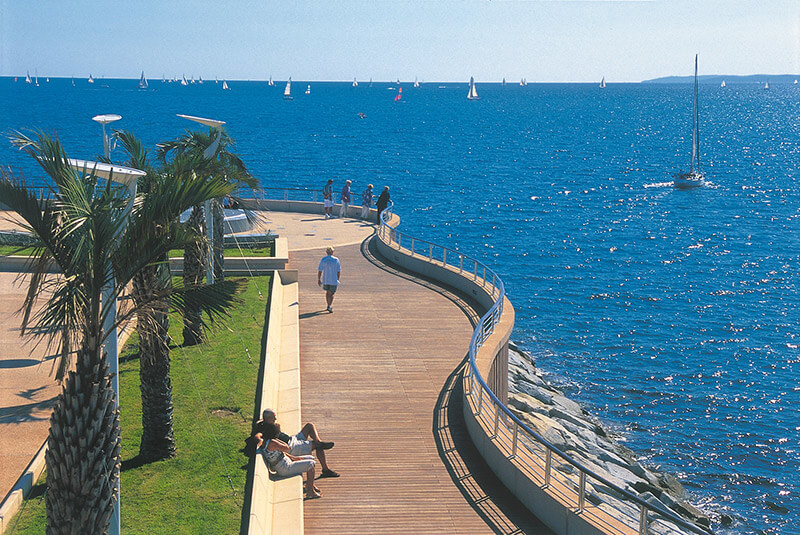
(379, 377)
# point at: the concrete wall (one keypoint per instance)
(303, 207)
(276, 505)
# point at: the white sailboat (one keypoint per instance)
(603, 83)
(142, 82)
(73, 81)
(225, 86)
(722, 84)
(694, 177)
(370, 82)
(287, 92)
(28, 77)
(795, 82)
(472, 95)
(163, 79)
(308, 90)
(36, 78)
(504, 82)
(416, 83)
(47, 79)
(766, 85)
(270, 83)
(183, 80)
(199, 79)
(90, 80)
(355, 82)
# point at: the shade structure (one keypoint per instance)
(117, 173)
(106, 118)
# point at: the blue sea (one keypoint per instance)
(673, 316)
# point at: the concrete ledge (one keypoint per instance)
(304, 207)
(276, 505)
(13, 501)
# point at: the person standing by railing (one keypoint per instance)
(327, 199)
(345, 199)
(366, 202)
(383, 202)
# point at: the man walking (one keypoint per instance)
(327, 199)
(328, 275)
(345, 199)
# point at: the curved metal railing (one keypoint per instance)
(309, 195)
(567, 479)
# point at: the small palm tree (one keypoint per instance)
(95, 243)
(228, 166)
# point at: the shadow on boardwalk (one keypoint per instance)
(490, 499)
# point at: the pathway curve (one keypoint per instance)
(379, 376)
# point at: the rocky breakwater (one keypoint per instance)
(567, 426)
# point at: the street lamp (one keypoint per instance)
(104, 120)
(127, 177)
(209, 153)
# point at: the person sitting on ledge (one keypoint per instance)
(276, 455)
(303, 443)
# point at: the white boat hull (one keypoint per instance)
(689, 180)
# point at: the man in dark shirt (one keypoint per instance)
(303, 443)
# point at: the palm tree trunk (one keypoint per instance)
(193, 273)
(219, 237)
(84, 452)
(158, 440)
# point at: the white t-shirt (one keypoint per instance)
(330, 268)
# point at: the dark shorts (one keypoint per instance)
(330, 288)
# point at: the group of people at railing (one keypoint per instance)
(346, 197)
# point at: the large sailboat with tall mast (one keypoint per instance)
(473, 94)
(142, 82)
(694, 177)
(287, 91)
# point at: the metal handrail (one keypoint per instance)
(311, 195)
(483, 330)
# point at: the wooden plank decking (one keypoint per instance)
(379, 377)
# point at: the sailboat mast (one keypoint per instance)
(696, 126)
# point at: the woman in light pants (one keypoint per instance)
(277, 456)
(366, 202)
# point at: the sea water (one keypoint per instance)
(671, 315)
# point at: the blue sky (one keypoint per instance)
(542, 40)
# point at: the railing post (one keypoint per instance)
(286, 195)
(461, 263)
(412, 245)
(514, 441)
(475, 270)
(444, 257)
(484, 275)
(314, 196)
(548, 459)
(643, 520)
(480, 401)
(582, 492)
(496, 419)
(430, 252)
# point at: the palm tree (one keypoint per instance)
(95, 242)
(232, 169)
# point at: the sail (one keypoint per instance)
(722, 84)
(504, 82)
(355, 82)
(287, 92)
(142, 82)
(28, 78)
(200, 80)
(603, 83)
(225, 86)
(370, 82)
(696, 126)
(473, 94)
(416, 83)
(766, 85)
(271, 83)
(183, 80)
(90, 80)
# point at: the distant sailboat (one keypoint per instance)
(766, 85)
(270, 83)
(308, 90)
(398, 81)
(416, 83)
(504, 82)
(183, 80)
(142, 82)
(73, 81)
(287, 91)
(370, 82)
(191, 80)
(795, 82)
(722, 84)
(90, 80)
(355, 82)
(603, 83)
(47, 79)
(694, 177)
(28, 78)
(163, 79)
(36, 79)
(473, 94)
(225, 86)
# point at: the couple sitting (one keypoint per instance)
(291, 455)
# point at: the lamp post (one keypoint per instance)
(128, 177)
(209, 153)
(104, 120)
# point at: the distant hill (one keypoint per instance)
(729, 79)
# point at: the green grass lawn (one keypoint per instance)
(213, 395)
(6, 250)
